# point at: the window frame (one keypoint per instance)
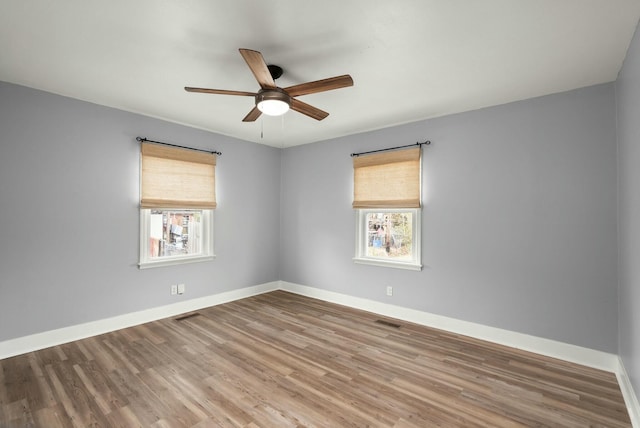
(206, 254)
(362, 239)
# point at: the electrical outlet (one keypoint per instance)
(181, 288)
(389, 290)
(174, 289)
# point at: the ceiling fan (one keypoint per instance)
(274, 101)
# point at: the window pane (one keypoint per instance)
(389, 235)
(175, 233)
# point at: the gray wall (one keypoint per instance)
(69, 174)
(628, 104)
(519, 218)
(519, 224)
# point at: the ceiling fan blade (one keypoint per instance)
(253, 115)
(258, 67)
(219, 91)
(308, 110)
(320, 85)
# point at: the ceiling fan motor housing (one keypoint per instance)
(273, 94)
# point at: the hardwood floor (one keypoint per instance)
(282, 360)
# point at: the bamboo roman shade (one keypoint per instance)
(387, 180)
(177, 178)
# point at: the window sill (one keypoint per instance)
(174, 261)
(388, 263)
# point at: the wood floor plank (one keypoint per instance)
(141, 400)
(123, 417)
(51, 417)
(284, 360)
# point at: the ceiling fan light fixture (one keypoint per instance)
(273, 107)
(272, 102)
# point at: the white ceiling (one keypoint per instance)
(410, 60)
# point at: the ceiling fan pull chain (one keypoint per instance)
(262, 128)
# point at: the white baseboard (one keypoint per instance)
(630, 397)
(588, 357)
(564, 351)
(34, 342)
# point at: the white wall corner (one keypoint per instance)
(555, 349)
(630, 397)
(34, 342)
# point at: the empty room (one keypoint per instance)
(320, 214)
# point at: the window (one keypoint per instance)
(176, 205)
(388, 237)
(388, 214)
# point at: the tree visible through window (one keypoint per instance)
(389, 235)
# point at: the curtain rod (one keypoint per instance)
(391, 148)
(143, 139)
